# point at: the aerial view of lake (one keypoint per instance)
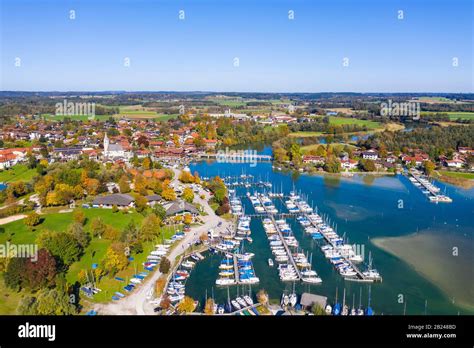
(422, 250)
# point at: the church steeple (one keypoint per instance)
(106, 143)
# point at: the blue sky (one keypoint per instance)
(275, 54)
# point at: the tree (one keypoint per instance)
(332, 165)
(429, 167)
(367, 165)
(187, 305)
(141, 203)
(223, 209)
(79, 217)
(316, 309)
(115, 258)
(47, 302)
(15, 272)
(165, 265)
(140, 184)
(115, 209)
(165, 302)
(168, 194)
(150, 227)
(188, 219)
(188, 195)
(63, 246)
(280, 155)
(123, 184)
(209, 306)
(320, 151)
(159, 211)
(77, 231)
(220, 194)
(32, 219)
(92, 186)
(186, 177)
(98, 227)
(111, 233)
(262, 296)
(41, 272)
(147, 164)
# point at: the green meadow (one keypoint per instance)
(19, 172)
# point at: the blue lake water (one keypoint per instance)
(364, 208)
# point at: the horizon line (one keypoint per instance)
(222, 92)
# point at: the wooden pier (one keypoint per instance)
(236, 270)
(288, 251)
(360, 276)
(433, 193)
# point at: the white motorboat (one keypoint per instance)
(270, 262)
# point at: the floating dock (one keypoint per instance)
(433, 190)
(288, 251)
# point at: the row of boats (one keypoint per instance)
(344, 309)
(231, 243)
(295, 204)
(177, 285)
(262, 203)
(341, 255)
(244, 267)
(428, 188)
(293, 265)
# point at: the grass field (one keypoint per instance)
(305, 134)
(435, 100)
(461, 115)
(336, 120)
(232, 103)
(454, 115)
(17, 232)
(75, 117)
(338, 146)
(469, 176)
(164, 117)
(9, 299)
(19, 172)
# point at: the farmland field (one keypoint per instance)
(75, 117)
(305, 134)
(345, 120)
(461, 115)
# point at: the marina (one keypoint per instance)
(350, 211)
(427, 187)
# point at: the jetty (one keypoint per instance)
(236, 269)
(360, 276)
(287, 248)
(415, 177)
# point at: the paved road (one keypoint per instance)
(136, 302)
